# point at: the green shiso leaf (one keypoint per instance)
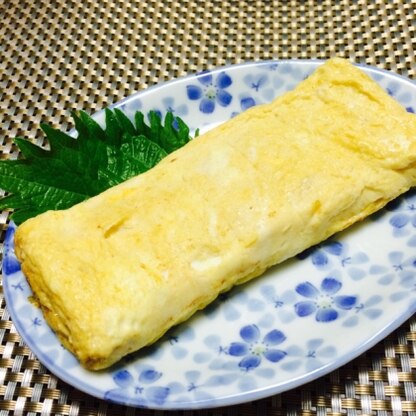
(75, 169)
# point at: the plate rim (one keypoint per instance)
(297, 61)
(258, 393)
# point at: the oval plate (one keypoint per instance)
(296, 323)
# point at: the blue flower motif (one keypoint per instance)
(403, 220)
(330, 254)
(281, 302)
(140, 392)
(196, 386)
(313, 355)
(10, 265)
(211, 91)
(245, 103)
(129, 108)
(230, 304)
(168, 105)
(370, 308)
(400, 270)
(10, 262)
(259, 86)
(177, 338)
(257, 81)
(323, 302)
(253, 348)
(319, 254)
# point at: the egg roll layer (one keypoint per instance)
(114, 273)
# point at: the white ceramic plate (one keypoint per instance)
(296, 323)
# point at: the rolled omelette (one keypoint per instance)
(114, 273)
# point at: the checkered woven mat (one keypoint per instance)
(58, 55)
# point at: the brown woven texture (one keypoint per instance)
(61, 55)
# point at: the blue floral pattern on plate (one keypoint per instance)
(211, 91)
(323, 302)
(253, 348)
(279, 331)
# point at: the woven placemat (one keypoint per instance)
(59, 55)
